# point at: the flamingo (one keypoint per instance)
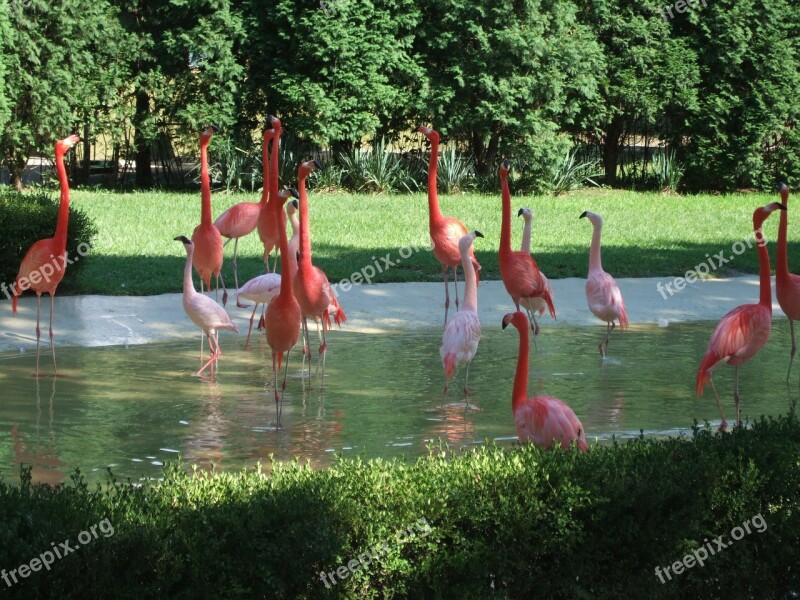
(541, 419)
(209, 316)
(527, 216)
(602, 292)
(524, 282)
(463, 332)
(271, 218)
(260, 290)
(43, 266)
(283, 313)
(787, 284)
(743, 331)
(445, 231)
(311, 286)
(241, 219)
(206, 238)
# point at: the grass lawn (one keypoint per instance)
(645, 234)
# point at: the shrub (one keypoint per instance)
(28, 217)
(377, 170)
(486, 523)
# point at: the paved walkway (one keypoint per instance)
(115, 320)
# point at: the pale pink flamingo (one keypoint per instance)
(463, 332)
(602, 292)
(283, 314)
(311, 286)
(445, 231)
(540, 419)
(241, 219)
(259, 290)
(787, 284)
(744, 330)
(272, 218)
(535, 304)
(43, 266)
(206, 238)
(521, 276)
(209, 316)
(527, 217)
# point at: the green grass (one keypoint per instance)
(645, 234)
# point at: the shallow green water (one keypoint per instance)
(135, 408)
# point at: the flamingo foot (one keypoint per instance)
(240, 305)
(225, 297)
(723, 426)
(261, 324)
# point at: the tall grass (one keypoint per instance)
(377, 170)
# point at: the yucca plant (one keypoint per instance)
(456, 173)
(668, 170)
(572, 174)
(377, 170)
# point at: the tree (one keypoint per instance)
(184, 71)
(506, 77)
(67, 61)
(649, 77)
(337, 70)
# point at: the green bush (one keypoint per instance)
(487, 523)
(28, 217)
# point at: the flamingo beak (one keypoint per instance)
(583, 214)
(506, 164)
(295, 204)
(521, 211)
(294, 193)
(781, 206)
(316, 164)
(183, 239)
(505, 323)
(478, 233)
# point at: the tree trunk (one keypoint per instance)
(611, 150)
(87, 156)
(144, 172)
(16, 169)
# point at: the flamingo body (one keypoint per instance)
(605, 299)
(239, 220)
(787, 284)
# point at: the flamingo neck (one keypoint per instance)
(595, 264)
(470, 284)
(505, 229)
(765, 285)
(434, 212)
(293, 245)
(520, 394)
(273, 175)
(60, 236)
(305, 229)
(782, 259)
(205, 184)
(286, 274)
(265, 170)
(526, 236)
(188, 284)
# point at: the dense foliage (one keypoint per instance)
(26, 218)
(624, 83)
(486, 523)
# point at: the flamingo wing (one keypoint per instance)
(39, 254)
(544, 419)
(605, 298)
(261, 289)
(788, 293)
(460, 340)
(239, 220)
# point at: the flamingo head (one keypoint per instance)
(760, 215)
(783, 190)
(187, 243)
(466, 240)
(291, 207)
(432, 135)
(63, 146)
(209, 131)
(307, 168)
(285, 194)
(593, 217)
(275, 124)
(517, 319)
(525, 213)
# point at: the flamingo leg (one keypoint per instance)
(262, 324)
(306, 346)
(455, 284)
(249, 331)
(466, 381)
(736, 395)
(275, 263)
(446, 294)
(277, 396)
(52, 344)
(38, 329)
(236, 273)
(202, 333)
(283, 387)
(224, 289)
(323, 349)
(213, 348)
(794, 349)
(724, 423)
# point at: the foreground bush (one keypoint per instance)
(488, 523)
(26, 218)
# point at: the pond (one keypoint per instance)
(135, 408)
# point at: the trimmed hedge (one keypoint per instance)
(503, 523)
(28, 217)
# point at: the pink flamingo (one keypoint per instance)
(537, 304)
(743, 331)
(206, 238)
(242, 218)
(209, 316)
(787, 284)
(271, 218)
(445, 231)
(283, 313)
(521, 276)
(43, 266)
(602, 291)
(311, 286)
(527, 217)
(541, 419)
(260, 290)
(463, 332)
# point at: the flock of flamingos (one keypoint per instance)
(301, 291)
